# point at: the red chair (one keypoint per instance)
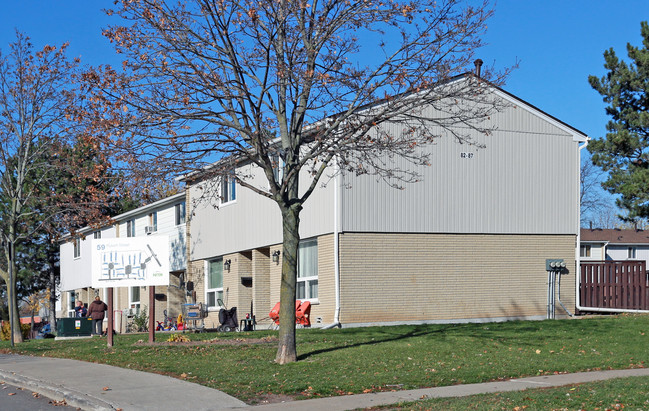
(274, 314)
(302, 313)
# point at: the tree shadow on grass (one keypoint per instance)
(417, 331)
(522, 333)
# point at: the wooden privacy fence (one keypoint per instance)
(614, 285)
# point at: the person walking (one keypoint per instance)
(96, 311)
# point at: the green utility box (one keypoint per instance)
(73, 327)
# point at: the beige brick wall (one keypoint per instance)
(275, 278)
(326, 282)
(261, 262)
(324, 309)
(266, 275)
(429, 277)
(235, 294)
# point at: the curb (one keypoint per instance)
(72, 398)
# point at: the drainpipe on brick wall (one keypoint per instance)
(337, 209)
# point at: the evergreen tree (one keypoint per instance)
(624, 151)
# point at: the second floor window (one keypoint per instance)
(77, 248)
(228, 189)
(585, 251)
(180, 213)
(278, 168)
(153, 221)
(630, 253)
(130, 228)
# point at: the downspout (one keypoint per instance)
(337, 208)
(578, 247)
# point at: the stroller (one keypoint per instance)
(227, 318)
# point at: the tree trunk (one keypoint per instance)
(286, 351)
(14, 317)
(52, 286)
(12, 300)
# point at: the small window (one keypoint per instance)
(130, 228)
(278, 167)
(214, 286)
(97, 235)
(180, 213)
(630, 253)
(77, 248)
(134, 299)
(307, 270)
(153, 221)
(584, 251)
(71, 303)
(228, 189)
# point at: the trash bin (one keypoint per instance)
(73, 327)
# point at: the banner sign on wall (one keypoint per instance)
(130, 262)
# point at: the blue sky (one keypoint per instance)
(557, 43)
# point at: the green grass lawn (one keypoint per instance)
(356, 360)
(617, 394)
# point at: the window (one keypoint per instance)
(228, 189)
(630, 252)
(278, 167)
(214, 286)
(134, 299)
(180, 213)
(307, 270)
(71, 302)
(130, 228)
(153, 221)
(97, 235)
(77, 248)
(584, 251)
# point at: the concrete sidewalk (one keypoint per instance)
(92, 386)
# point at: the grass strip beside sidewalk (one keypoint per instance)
(357, 360)
(616, 394)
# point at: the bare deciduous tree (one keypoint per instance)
(40, 123)
(211, 85)
(592, 198)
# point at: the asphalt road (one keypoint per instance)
(19, 399)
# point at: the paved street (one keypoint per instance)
(20, 399)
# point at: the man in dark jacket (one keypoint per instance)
(96, 312)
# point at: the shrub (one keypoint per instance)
(141, 320)
(177, 338)
(5, 331)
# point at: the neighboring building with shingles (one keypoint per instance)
(614, 244)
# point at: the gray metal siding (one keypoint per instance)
(524, 180)
(253, 221)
